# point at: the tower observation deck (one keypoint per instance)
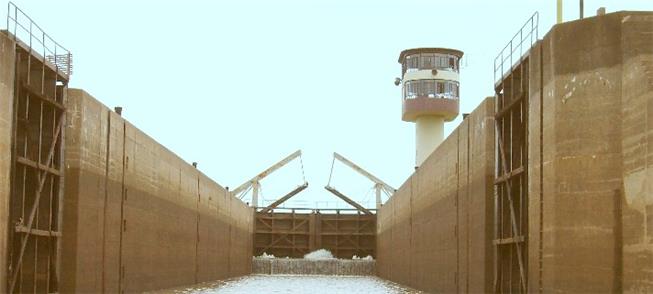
(431, 91)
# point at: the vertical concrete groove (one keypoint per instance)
(457, 203)
(197, 229)
(106, 196)
(410, 226)
(541, 212)
(123, 196)
(228, 197)
(646, 153)
(618, 243)
(467, 208)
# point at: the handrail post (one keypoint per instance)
(18, 19)
(521, 46)
(534, 28)
(8, 15)
(15, 20)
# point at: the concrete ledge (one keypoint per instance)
(297, 266)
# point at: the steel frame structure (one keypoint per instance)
(42, 69)
(511, 182)
(294, 232)
(511, 67)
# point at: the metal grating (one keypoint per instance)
(25, 30)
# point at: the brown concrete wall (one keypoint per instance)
(136, 216)
(7, 73)
(637, 151)
(433, 234)
(591, 199)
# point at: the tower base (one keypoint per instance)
(429, 133)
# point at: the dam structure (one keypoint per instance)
(546, 186)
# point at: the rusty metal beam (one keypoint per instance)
(348, 200)
(285, 198)
(36, 165)
(42, 233)
(42, 97)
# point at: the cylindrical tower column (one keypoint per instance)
(431, 91)
(429, 132)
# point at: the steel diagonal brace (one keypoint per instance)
(285, 235)
(285, 198)
(513, 218)
(41, 176)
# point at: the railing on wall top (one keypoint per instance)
(305, 210)
(526, 36)
(25, 29)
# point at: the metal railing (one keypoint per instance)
(526, 36)
(319, 204)
(305, 210)
(25, 29)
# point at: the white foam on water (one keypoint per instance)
(319, 254)
(304, 284)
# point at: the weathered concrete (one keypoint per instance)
(434, 233)
(591, 199)
(299, 266)
(134, 207)
(7, 73)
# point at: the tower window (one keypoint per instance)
(431, 89)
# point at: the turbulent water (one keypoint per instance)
(299, 284)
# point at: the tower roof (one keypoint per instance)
(429, 50)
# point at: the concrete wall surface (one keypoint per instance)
(136, 216)
(7, 73)
(435, 233)
(590, 175)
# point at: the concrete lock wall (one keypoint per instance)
(435, 233)
(590, 176)
(7, 68)
(590, 184)
(136, 216)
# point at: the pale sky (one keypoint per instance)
(238, 85)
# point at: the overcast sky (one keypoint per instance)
(238, 85)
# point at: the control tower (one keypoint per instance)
(431, 94)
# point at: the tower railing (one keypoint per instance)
(526, 36)
(26, 30)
